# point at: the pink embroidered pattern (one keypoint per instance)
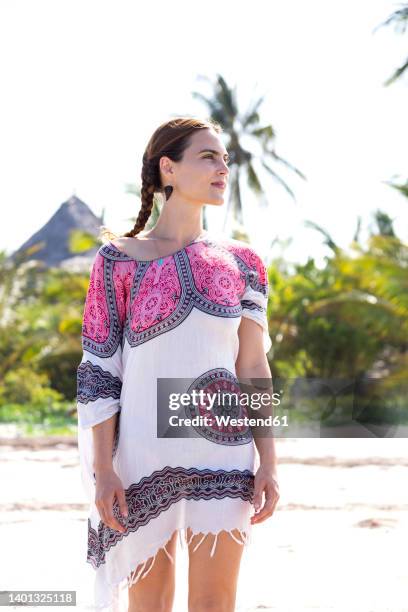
(123, 274)
(96, 315)
(220, 281)
(153, 297)
(251, 259)
(158, 295)
(221, 383)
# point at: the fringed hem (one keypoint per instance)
(133, 576)
(136, 574)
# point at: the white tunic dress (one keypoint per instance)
(174, 318)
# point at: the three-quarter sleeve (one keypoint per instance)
(254, 301)
(99, 374)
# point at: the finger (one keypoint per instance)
(111, 521)
(262, 519)
(265, 512)
(270, 496)
(120, 494)
(267, 509)
(257, 500)
(102, 515)
(114, 523)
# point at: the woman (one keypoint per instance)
(181, 305)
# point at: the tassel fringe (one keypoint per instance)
(136, 574)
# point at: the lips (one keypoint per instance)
(221, 185)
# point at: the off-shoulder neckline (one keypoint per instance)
(204, 235)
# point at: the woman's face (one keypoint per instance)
(204, 162)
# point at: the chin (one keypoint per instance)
(218, 202)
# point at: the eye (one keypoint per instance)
(210, 156)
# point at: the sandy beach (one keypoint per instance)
(336, 542)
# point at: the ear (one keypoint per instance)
(166, 166)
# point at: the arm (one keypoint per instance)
(99, 375)
(99, 378)
(252, 368)
(251, 364)
(103, 435)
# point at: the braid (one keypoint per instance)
(170, 139)
(150, 184)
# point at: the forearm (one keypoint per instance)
(103, 436)
(267, 452)
(265, 444)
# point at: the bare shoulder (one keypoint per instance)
(132, 246)
(122, 241)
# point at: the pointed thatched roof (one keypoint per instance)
(50, 244)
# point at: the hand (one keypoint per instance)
(265, 480)
(108, 484)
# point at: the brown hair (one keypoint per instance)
(171, 139)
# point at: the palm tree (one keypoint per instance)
(401, 188)
(223, 108)
(400, 18)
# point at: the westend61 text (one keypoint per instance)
(225, 421)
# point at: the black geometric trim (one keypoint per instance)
(115, 338)
(255, 284)
(251, 276)
(154, 494)
(250, 305)
(111, 252)
(95, 383)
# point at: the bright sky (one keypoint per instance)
(84, 84)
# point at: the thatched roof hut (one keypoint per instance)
(50, 244)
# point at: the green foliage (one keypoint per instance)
(26, 387)
(346, 319)
(40, 348)
(61, 369)
(80, 241)
(336, 321)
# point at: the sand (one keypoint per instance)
(337, 540)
